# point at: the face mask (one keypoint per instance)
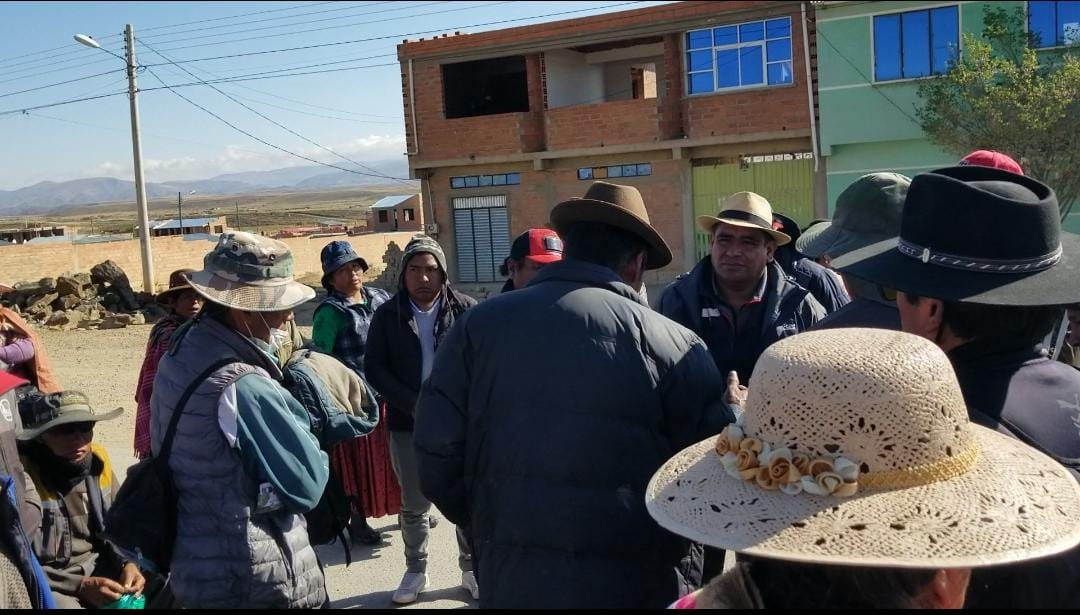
(278, 338)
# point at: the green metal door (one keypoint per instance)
(787, 184)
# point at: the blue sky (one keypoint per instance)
(360, 109)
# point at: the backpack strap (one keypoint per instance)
(174, 421)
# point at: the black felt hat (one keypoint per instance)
(976, 235)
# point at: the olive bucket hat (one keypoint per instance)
(57, 409)
(250, 272)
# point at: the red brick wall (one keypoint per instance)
(610, 123)
(530, 203)
(671, 116)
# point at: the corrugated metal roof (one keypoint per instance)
(188, 223)
(390, 202)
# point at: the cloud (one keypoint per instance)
(236, 159)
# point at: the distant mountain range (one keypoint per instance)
(46, 196)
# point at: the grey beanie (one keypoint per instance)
(420, 244)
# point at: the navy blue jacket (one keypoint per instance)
(823, 285)
(789, 309)
(546, 414)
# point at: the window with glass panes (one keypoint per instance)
(915, 44)
(1054, 24)
(752, 54)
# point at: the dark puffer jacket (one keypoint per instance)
(394, 360)
(546, 414)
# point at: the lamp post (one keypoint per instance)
(136, 150)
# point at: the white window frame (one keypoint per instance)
(713, 49)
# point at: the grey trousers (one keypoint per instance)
(415, 508)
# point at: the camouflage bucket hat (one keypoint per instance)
(57, 409)
(250, 272)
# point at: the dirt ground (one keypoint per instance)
(105, 365)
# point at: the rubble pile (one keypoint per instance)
(101, 299)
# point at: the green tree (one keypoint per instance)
(1003, 95)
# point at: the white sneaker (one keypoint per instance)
(469, 584)
(409, 590)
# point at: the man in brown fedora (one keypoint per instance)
(549, 408)
(737, 298)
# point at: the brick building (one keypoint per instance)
(398, 212)
(689, 102)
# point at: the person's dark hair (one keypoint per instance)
(504, 269)
(214, 310)
(601, 244)
(1029, 324)
(791, 585)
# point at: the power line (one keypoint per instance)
(869, 81)
(279, 70)
(63, 48)
(42, 87)
(329, 117)
(393, 36)
(348, 25)
(268, 119)
(39, 63)
(258, 78)
(188, 23)
(61, 103)
(288, 25)
(261, 140)
(39, 73)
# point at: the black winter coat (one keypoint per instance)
(547, 412)
(393, 359)
(1020, 392)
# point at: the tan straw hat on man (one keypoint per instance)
(619, 206)
(746, 209)
(856, 449)
(250, 272)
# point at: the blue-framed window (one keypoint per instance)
(640, 169)
(915, 43)
(1054, 24)
(751, 54)
(484, 181)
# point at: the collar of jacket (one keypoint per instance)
(978, 355)
(373, 298)
(587, 274)
(777, 285)
(863, 289)
(211, 330)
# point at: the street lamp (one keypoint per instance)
(136, 148)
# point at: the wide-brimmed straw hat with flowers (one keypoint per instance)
(250, 272)
(855, 449)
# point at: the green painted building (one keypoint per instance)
(871, 56)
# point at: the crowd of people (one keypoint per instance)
(878, 410)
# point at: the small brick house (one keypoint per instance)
(689, 102)
(399, 212)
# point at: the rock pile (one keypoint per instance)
(100, 299)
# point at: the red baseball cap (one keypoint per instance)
(996, 160)
(539, 245)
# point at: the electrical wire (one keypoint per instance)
(272, 121)
(347, 25)
(42, 87)
(299, 23)
(264, 141)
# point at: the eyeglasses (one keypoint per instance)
(71, 429)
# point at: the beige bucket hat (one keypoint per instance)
(250, 272)
(746, 209)
(855, 449)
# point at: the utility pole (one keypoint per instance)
(180, 209)
(136, 149)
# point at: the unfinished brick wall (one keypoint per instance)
(672, 115)
(31, 262)
(530, 203)
(599, 124)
